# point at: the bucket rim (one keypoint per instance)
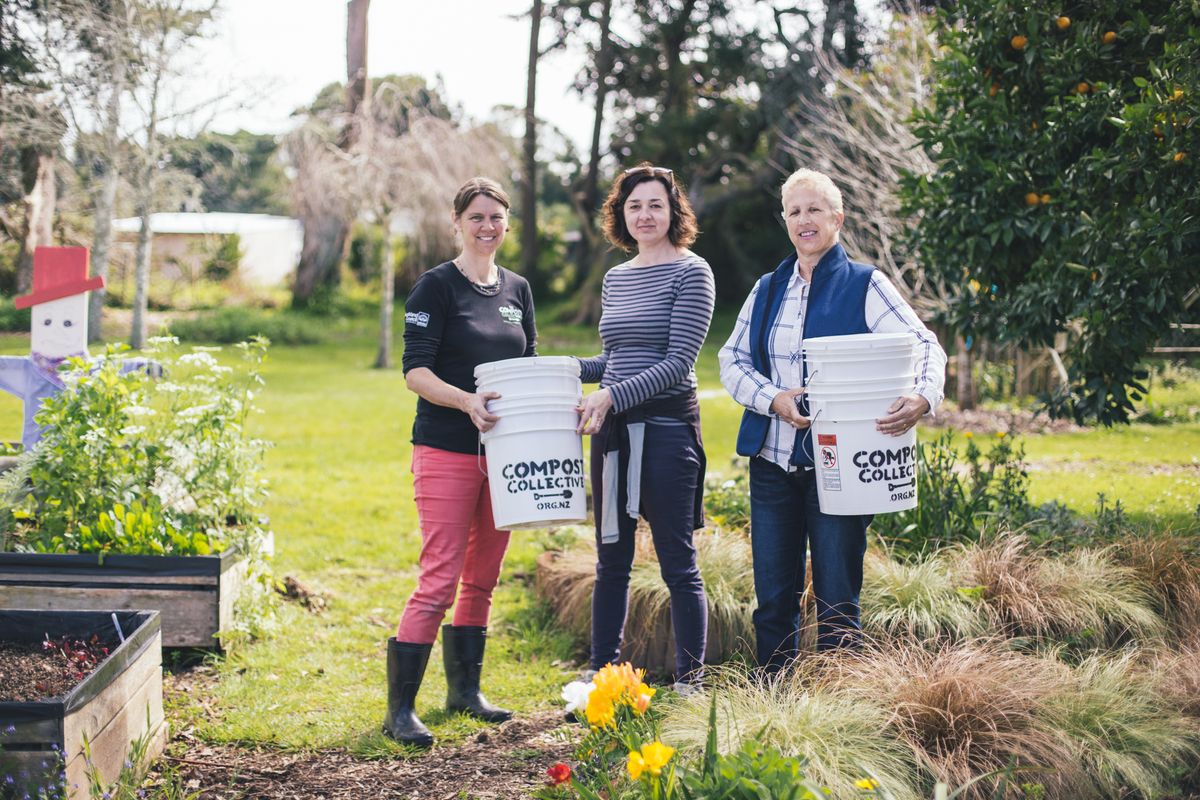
(538, 362)
(857, 341)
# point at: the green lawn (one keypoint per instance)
(344, 521)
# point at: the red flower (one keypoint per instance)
(559, 773)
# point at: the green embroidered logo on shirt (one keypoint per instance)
(511, 315)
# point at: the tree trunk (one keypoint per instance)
(529, 231)
(964, 393)
(591, 263)
(325, 237)
(141, 280)
(387, 302)
(37, 218)
(106, 198)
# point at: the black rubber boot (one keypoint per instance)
(462, 649)
(405, 668)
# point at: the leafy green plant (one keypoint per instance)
(132, 464)
(12, 318)
(727, 501)
(960, 499)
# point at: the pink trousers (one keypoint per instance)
(459, 543)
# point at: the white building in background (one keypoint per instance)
(183, 243)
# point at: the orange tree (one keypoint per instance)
(1065, 193)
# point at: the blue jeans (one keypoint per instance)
(785, 519)
(670, 472)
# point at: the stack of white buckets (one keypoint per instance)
(534, 456)
(852, 380)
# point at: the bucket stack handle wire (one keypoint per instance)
(811, 422)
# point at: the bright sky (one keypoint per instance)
(277, 54)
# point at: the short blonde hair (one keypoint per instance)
(819, 182)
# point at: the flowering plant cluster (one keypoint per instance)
(134, 464)
(623, 732)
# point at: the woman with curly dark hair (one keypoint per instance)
(647, 454)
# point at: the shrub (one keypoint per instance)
(836, 734)
(132, 465)
(727, 501)
(231, 325)
(988, 489)
(13, 319)
(917, 599)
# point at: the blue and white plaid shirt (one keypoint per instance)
(886, 312)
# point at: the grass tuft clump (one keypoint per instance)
(836, 734)
(1083, 597)
(917, 599)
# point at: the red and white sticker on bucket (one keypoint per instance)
(827, 455)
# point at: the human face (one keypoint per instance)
(812, 224)
(483, 224)
(59, 328)
(648, 214)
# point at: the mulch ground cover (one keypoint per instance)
(31, 672)
(505, 763)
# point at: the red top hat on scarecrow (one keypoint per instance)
(59, 272)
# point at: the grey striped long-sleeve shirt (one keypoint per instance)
(653, 322)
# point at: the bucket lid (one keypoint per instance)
(551, 363)
(859, 342)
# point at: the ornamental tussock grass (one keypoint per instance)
(917, 599)
(964, 709)
(1080, 596)
(1170, 565)
(839, 736)
(1125, 733)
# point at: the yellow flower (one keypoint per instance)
(600, 711)
(641, 700)
(635, 765)
(656, 755)
(969, 435)
(866, 784)
(1000, 434)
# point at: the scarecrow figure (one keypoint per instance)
(58, 330)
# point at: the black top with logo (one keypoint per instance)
(451, 328)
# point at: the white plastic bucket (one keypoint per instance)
(866, 406)
(525, 377)
(863, 471)
(855, 368)
(534, 456)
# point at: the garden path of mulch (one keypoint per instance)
(507, 762)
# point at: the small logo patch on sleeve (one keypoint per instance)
(418, 318)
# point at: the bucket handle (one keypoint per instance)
(479, 456)
(814, 374)
(811, 422)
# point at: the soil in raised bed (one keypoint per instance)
(31, 672)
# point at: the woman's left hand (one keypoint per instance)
(593, 410)
(902, 415)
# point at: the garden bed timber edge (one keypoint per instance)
(118, 703)
(194, 594)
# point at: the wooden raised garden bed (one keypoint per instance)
(117, 704)
(194, 594)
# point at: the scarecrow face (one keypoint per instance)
(59, 327)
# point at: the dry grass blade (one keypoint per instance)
(1170, 564)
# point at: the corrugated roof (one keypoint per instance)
(216, 222)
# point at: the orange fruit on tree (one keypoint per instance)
(1177, 95)
(1018, 42)
(1180, 156)
(1044, 199)
(1032, 199)
(1063, 23)
(1083, 88)
(1109, 37)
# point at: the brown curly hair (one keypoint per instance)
(683, 229)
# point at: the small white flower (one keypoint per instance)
(139, 411)
(132, 430)
(168, 387)
(729, 484)
(198, 359)
(576, 694)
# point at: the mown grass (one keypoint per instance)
(344, 520)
